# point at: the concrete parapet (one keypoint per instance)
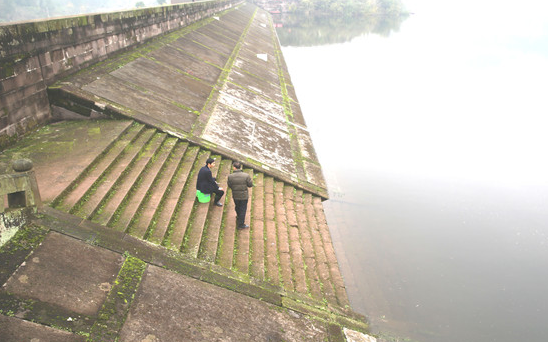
(35, 54)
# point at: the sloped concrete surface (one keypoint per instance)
(143, 183)
(60, 152)
(68, 273)
(67, 283)
(221, 83)
(194, 311)
(17, 330)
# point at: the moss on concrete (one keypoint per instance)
(44, 313)
(113, 314)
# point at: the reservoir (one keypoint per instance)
(431, 131)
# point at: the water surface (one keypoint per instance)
(432, 139)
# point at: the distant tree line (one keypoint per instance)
(345, 7)
(299, 29)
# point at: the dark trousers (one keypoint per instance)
(218, 194)
(241, 208)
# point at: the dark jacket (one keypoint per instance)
(239, 181)
(206, 182)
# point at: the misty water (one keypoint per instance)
(432, 135)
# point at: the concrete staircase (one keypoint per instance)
(144, 184)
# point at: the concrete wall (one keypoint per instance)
(35, 54)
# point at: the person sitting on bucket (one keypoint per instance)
(206, 182)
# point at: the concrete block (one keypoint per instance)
(21, 190)
(195, 311)
(57, 55)
(68, 273)
(15, 330)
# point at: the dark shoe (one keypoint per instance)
(219, 204)
(243, 226)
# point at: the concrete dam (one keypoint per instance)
(117, 113)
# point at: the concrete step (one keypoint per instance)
(155, 180)
(160, 187)
(146, 170)
(257, 228)
(311, 269)
(122, 191)
(201, 211)
(272, 270)
(284, 255)
(180, 221)
(114, 173)
(144, 184)
(227, 236)
(168, 207)
(331, 258)
(242, 239)
(324, 275)
(147, 158)
(296, 251)
(165, 196)
(70, 196)
(210, 240)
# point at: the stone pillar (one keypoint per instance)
(20, 190)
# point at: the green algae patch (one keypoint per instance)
(45, 314)
(113, 314)
(94, 131)
(12, 255)
(253, 162)
(18, 248)
(7, 70)
(323, 314)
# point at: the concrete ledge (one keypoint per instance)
(156, 291)
(18, 248)
(16, 329)
(43, 313)
(160, 256)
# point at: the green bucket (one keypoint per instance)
(203, 198)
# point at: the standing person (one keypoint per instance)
(239, 181)
(206, 182)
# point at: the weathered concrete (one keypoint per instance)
(194, 311)
(135, 179)
(17, 330)
(75, 281)
(67, 273)
(37, 53)
(220, 83)
(19, 196)
(60, 152)
(216, 88)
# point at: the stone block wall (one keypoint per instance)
(35, 54)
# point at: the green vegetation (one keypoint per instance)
(319, 22)
(347, 7)
(112, 315)
(299, 29)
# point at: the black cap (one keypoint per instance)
(210, 161)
